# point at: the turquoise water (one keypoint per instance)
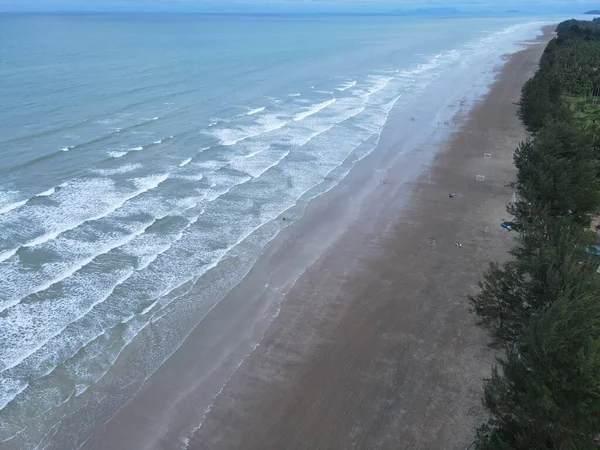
(138, 152)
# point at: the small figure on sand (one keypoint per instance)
(458, 244)
(412, 119)
(452, 195)
(432, 241)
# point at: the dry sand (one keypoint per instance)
(374, 346)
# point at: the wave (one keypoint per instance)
(144, 185)
(6, 208)
(346, 86)
(125, 274)
(87, 143)
(381, 83)
(255, 111)
(294, 95)
(118, 170)
(9, 362)
(116, 154)
(185, 162)
(260, 172)
(313, 109)
(7, 254)
(9, 389)
(256, 152)
(266, 124)
(196, 177)
(47, 193)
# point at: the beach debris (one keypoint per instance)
(432, 241)
(480, 178)
(510, 225)
(458, 244)
(487, 155)
(452, 195)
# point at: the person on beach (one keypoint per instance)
(458, 244)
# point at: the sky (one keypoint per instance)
(233, 6)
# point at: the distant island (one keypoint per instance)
(593, 11)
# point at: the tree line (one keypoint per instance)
(543, 306)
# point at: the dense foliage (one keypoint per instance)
(570, 66)
(543, 305)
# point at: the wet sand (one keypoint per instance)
(374, 346)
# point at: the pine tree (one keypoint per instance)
(511, 293)
(546, 394)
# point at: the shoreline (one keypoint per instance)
(283, 263)
(368, 372)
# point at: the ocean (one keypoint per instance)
(147, 160)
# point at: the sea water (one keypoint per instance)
(139, 153)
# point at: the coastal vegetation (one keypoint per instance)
(543, 306)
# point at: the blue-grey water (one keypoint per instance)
(139, 151)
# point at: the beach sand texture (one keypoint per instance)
(373, 346)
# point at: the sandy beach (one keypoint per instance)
(372, 344)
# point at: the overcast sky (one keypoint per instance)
(294, 5)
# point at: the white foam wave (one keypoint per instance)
(294, 95)
(143, 184)
(265, 124)
(9, 389)
(47, 193)
(257, 173)
(53, 323)
(314, 109)
(116, 154)
(157, 142)
(256, 152)
(136, 149)
(149, 307)
(7, 254)
(380, 83)
(76, 266)
(194, 177)
(255, 111)
(185, 162)
(6, 208)
(66, 149)
(346, 86)
(118, 170)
